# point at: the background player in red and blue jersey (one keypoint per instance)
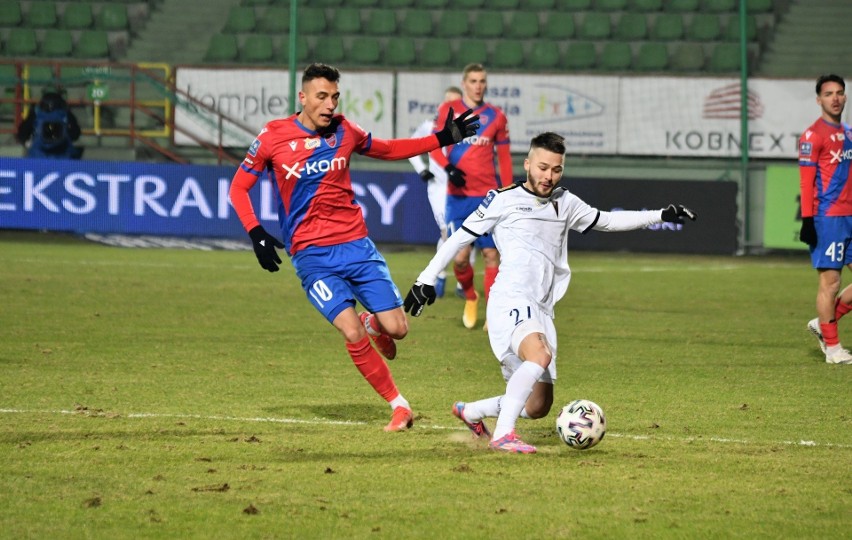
(825, 150)
(472, 173)
(306, 157)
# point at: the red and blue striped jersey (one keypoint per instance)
(825, 150)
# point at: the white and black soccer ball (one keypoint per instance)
(581, 424)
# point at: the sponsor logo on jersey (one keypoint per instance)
(526, 209)
(488, 198)
(837, 156)
(805, 148)
(253, 148)
(315, 167)
(248, 161)
(310, 143)
(476, 140)
(837, 137)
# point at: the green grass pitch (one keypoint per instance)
(165, 393)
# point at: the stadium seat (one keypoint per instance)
(10, 13)
(346, 21)
(682, 6)
(610, 5)
(432, 4)
(92, 44)
(317, 3)
(488, 24)
(544, 5)
(472, 51)
(688, 57)
(256, 2)
(312, 20)
(508, 54)
(57, 43)
(436, 53)
(667, 27)
(646, 6)
(558, 26)
(759, 6)
(580, 55)
(330, 50)
(416, 23)
(504, 5)
(631, 27)
(724, 58)
(222, 48)
(523, 25)
(78, 16)
(616, 56)
(732, 28)
(452, 23)
(651, 56)
(303, 49)
(381, 22)
(365, 51)
(275, 20)
(257, 49)
(112, 17)
(362, 3)
(719, 6)
(594, 25)
(467, 4)
(240, 19)
(704, 27)
(41, 15)
(400, 52)
(544, 55)
(396, 4)
(22, 42)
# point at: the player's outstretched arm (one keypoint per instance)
(675, 214)
(456, 129)
(419, 296)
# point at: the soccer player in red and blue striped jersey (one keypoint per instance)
(306, 157)
(825, 150)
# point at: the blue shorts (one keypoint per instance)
(458, 208)
(334, 277)
(834, 235)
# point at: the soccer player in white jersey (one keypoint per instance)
(530, 224)
(436, 181)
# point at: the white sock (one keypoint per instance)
(368, 325)
(400, 401)
(518, 390)
(484, 408)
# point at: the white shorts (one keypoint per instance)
(436, 190)
(510, 320)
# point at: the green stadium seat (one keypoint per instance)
(240, 19)
(616, 56)
(92, 44)
(256, 2)
(78, 15)
(580, 55)
(315, 3)
(558, 26)
(396, 4)
(667, 27)
(508, 54)
(346, 21)
(719, 6)
(303, 49)
(651, 56)
(436, 53)
(646, 6)
(488, 24)
(704, 27)
(610, 5)
(452, 23)
(365, 51)
(732, 28)
(631, 27)
(724, 58)
(400, 52)
(57, 43)
(10, 13)
(330, 50)
(523, 25)
(222, 48)
(682, 6)
(688, 57)
(471, 51)
(257, 49)
(274, 20)
(759, 6)
(416, 23)
(466, 4)
(544, 55)
(41, 14)
(595, 25)
(432, 4)
(545, 5)
(22, 42)
(504, 5)
(362, 3)
(381, 22)
(112, 17)
(312, 20)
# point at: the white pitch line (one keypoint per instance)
(325, 421)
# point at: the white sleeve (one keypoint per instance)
(422, 130)
(627, 220)
(442, 258)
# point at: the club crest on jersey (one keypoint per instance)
(331, 139)
(253, 148)
(310, 144)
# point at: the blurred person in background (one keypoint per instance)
(50, 128)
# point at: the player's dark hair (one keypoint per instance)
(831, 77)
(320, 71)
(550, 141)
(453, 90)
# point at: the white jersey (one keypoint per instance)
(531, 234)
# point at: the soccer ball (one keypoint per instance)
(581, 424)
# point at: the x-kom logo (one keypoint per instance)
(314, 167)
(839, 155)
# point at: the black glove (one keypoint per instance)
(418, 297)
(264, 245)
(456, 130)
(426, 175)
(455, 175)
(808, 234)
(675, 214)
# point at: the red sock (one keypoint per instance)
(840, 309)
(373, 368)
(465, 279)
(490, 276)
(829, 333)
